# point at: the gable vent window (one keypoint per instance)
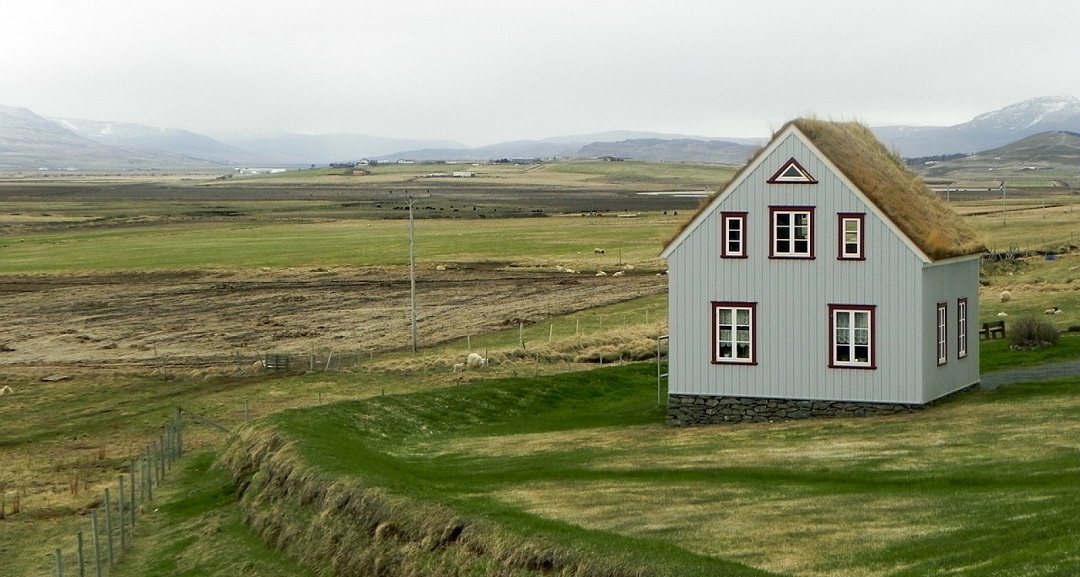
(792, 232)
(792, 173)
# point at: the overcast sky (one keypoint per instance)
(480, 71)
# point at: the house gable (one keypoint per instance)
(926, 224)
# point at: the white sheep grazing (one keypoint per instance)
(6, 390)
(601, 273)
(1003, 314)
(571, 271)
(618, 273)
(459, 367)
(1052, 311)
(1006, 296)
(475, 361)
(598, 250)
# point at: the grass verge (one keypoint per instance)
(575, 474)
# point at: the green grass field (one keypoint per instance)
(579, 462)
(980, 485)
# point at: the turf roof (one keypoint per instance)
(900, 195)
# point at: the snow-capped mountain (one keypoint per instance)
(986, 131)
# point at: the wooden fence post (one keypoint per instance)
(97, 545)
(79, 555)
(59, 555)
(108, 527)
(120, 512)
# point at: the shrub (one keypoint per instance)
(1032, 333)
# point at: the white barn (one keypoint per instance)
(824, 279)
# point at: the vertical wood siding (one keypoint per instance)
(793, 296)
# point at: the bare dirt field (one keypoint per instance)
(222, 320)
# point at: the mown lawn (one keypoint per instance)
(983, 484)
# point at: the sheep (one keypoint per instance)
(1053, 311)
(601, 273)
(440, 267)
(1006, 296)
(598, 250)
(475, 361)
(1003, 314)
(560, 267)
(571, 271)
(6, 390)
(459, 367)
(618, 273)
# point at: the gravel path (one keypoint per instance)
(1028, 374)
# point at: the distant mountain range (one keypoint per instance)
(986, 131)
(30, 142)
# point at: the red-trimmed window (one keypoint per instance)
(733, 233)
(792, 173)
(942, 333)
(961, 328)
(851, 334)
(734, 332)
(851, 241)
(791, 232)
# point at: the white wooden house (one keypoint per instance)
(824, 279)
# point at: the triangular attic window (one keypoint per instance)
(792, 173)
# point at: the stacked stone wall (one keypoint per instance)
(702, 410)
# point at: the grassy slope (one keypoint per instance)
(982, 485)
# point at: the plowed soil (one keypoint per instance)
(145, 320)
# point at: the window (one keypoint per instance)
(852, 337)
(851, 236)
(961, 328)
(733, 333)
(792, 173)
(792, 232)
(942, 334)
(733, 232)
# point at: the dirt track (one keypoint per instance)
(133, 321)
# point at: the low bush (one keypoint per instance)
(1030, 332)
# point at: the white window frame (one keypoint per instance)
(792, 229)
(845, 334)
(961, 328)
(859, 241)
(726, 230)
(942, 333)
(739, 338)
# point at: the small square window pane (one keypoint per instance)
(724, 316)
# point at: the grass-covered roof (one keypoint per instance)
(898, 193)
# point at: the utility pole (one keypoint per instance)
(412, 267)
(1002, 202)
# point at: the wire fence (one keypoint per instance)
(113, 523)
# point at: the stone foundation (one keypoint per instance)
(702, 410)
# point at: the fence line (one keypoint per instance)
(145, 471)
